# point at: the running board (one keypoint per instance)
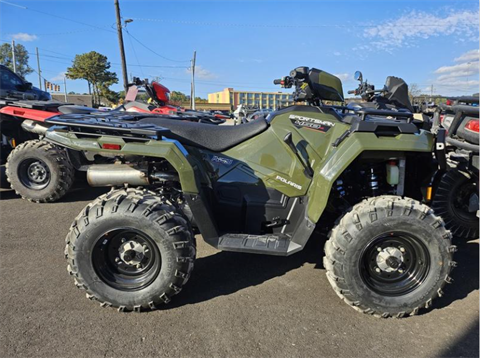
(270, 244)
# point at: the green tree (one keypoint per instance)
(111, 96)
(201, 100)
(94, 68)
(21, 58)
(178, 97)
(414, 91)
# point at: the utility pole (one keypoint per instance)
(65, 88)
(192, 92)
(13, 57)
(39, 71)
(431, 91)
(122, 49)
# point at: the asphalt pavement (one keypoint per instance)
(235, 305)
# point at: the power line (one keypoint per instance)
(264, 2)
(57, 16)
(112, 63)
(152, 51)
(34, 70)
(287, 26)
(66, 32)
(134, 52)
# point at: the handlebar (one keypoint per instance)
(277, 82)
(351, 92)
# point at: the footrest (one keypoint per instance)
(280, 245)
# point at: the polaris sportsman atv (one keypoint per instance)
(456, 192)
(262, 188)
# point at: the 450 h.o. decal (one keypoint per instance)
(311, 123)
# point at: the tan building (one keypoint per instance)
(263, 100)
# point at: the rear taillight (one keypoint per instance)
(442, 117)
(111, 146)
(472, 125)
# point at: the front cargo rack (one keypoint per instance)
(121, 124)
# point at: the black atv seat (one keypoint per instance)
(211, 137)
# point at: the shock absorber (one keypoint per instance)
(374, 179)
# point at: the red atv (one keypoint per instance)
(18, 119)
(159, 103)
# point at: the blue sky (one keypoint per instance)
(247, 44)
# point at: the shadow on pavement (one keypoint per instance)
(465, 346)
(82, 192)
(4, 184)
(225, 273)
(465, 275)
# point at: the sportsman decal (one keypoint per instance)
(311, 123)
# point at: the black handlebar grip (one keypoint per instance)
(351, 92)
(277, 82)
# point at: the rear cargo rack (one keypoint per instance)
(118, 124)
(32, 104)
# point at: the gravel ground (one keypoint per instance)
(238, 305)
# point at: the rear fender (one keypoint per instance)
(170, 150)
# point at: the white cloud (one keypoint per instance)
(472, 55)
(22, 36)
(462, 77)
(408, 28)
(336, 53)
(58, 77)
(203, 74)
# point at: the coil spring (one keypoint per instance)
(374, 178)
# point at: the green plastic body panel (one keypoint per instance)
(268, 157)
(338, 159)
(152, 148)
(271, 158)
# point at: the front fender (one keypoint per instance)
(339, 158)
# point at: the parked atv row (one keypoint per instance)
(22, 117)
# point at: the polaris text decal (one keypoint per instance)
(312, 123)
(288, 182)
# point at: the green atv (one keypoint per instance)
(263, 188)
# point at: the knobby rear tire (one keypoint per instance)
(143, 211)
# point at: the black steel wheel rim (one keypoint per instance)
(34, 173)
(394, 264)
(461, 201)
(126, 259)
